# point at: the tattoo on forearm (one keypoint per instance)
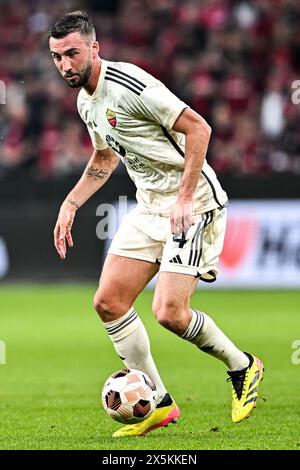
(73, 203)
(96, 173)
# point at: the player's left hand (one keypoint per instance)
(181, 217)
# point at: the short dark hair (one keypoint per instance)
(74, 21)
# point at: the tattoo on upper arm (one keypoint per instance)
(96, 172)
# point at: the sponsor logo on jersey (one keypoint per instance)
(111, 117)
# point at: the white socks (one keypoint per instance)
(204, 333)
(132, 344)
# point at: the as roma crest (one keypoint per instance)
(111, 117)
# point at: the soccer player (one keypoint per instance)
(178, 226)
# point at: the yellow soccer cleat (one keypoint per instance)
(166, 412)
(244, 388)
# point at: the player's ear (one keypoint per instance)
(95, 48)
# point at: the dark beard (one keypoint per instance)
(83, 78)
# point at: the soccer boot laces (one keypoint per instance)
(166, 412)
(245, 384)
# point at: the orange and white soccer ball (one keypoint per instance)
(129, 396)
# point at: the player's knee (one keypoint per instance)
(107, 306)
(167, 314)
(99, 304)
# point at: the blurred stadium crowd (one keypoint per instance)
(233, 61)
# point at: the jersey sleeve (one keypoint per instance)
(156, 103)
(97, 141)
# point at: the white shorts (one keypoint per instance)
(148, 237)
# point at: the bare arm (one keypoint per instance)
(197, 134)
(99, 168)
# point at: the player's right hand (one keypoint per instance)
(62, 230)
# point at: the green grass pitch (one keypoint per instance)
(58, 357)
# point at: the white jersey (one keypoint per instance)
(134, 113)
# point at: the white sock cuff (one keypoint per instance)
(123, 326)
(195, 325)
